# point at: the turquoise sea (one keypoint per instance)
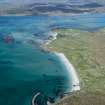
(25, 68)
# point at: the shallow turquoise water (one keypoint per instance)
(25, 71)
(24, 68)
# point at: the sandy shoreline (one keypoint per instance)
(69, 67)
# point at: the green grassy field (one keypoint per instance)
(86, 51)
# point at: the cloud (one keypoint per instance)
(33, 1)
(86, 1)
(20, 2)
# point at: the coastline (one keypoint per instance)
(68, 66)
(72, 72)
(52, 37)
(75, 86)
(83, 49)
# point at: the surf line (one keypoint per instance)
(72, 72)
(34, 98)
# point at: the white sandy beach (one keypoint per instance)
(73, 75)
(68, 66)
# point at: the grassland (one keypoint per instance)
(86, 51)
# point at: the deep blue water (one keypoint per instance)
(25, 69)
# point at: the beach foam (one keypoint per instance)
(34, 98)
(71, 70)
(53, 35)
(73, 75)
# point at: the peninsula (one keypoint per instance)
(86, 51)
